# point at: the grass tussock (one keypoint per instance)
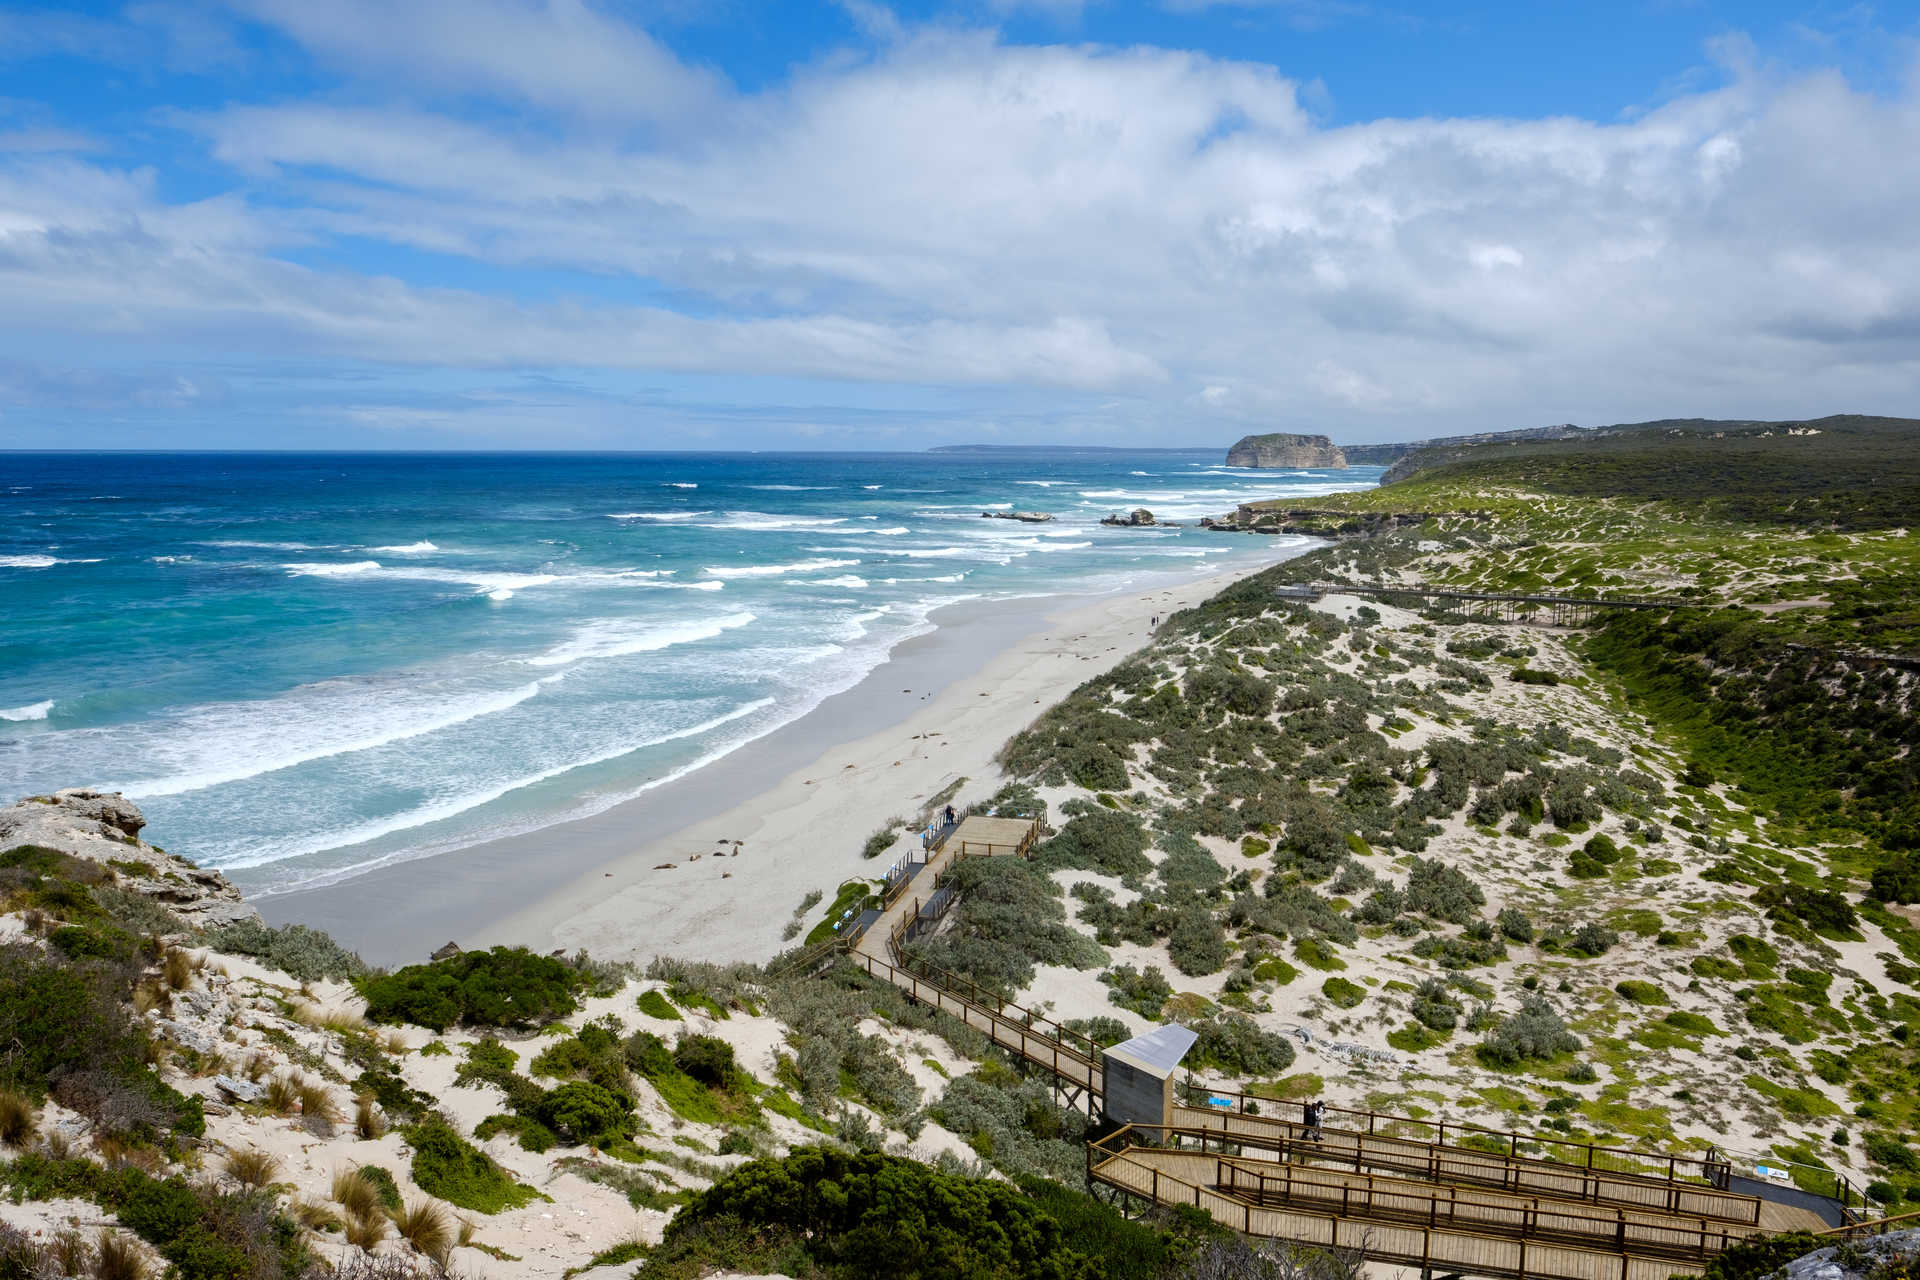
(368, 1123)
(17, 1120)
(282, 1096)
(317, 1109)
(425, 1227)
(116, 1257)
(365, 1233)
(252, 1167)
(355, 1192)
(177, 969)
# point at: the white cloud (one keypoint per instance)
(1162, 226)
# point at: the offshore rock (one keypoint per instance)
(1140, 517)
(1280, 449)
(1024, 517)
(103, 827)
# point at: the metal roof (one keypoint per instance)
(1158, 1052)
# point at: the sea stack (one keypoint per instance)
(1280, 449)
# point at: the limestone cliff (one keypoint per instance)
(1279, 449)
(104, 827)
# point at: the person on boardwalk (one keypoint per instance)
(949, 815)
(1316, 1111)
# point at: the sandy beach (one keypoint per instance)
(801, 801)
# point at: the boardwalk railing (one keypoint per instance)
(1433, 1245)
(1037, 1039)
(1710, 1169)
(1507, 1173)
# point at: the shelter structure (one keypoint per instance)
(1137, 1075)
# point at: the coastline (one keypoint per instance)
(802, 801)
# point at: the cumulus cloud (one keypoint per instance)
(1162, 228)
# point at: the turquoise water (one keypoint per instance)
(305, 666)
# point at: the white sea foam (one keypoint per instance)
(32, 711)
(170, 559)
(664, 517)
(453, 807)
(1044, 484)
(487, 583)
(408, 549)
(849, 581)
(347, 570)
(894, 532)
(618, 637)
(265, 546)
(774, 570)
(230, 742)
(872, 486)
(29, 562)
(793, 488)
(761, 522)
(679, 484)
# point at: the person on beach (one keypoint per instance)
(1316, 1111)
(949, 815)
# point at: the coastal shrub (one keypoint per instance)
(1532, 675)
(1344, 994)
(580, 1111)
(1095, 766)
(1821, 910)
(1640, 992)
(294, 949)
(1535, 1032)
(1515, 924)
(1013, 1123)
(1198, 945)
(655, 1005)
(1434, 1006)
(707, 1059)
(1100, 1029)
(879, 842)
(1759, 1256)
(1103, 840)
(1009, 917)
(448, 1166)
(504, 987)
(1443, 892)
(1238, 1046)
(1592, 939)
(69, 1037)
(1144, 993)
(863, 1214)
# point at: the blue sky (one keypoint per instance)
(550, 223)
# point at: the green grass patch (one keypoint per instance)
(656, 1005)
(1345, 994)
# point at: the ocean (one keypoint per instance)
(306, 666)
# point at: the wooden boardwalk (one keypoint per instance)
(1439, 1162)
(1170, 1178)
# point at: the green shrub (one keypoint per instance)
(1592, 939)
(1640, 992)
(870, 1214)
(1101, 840)
(504, 987)
(1198, 944)
(1515, 924)
(1317, 954)
(1009, 917)
(1434, 1006)
(707, 1059)
(1345, 994)
(69, 1036)
(1536, 1031)
(294, 949)
(580, 1111)
(655, 1005)
(384, 1185)
(1443, 892)
(1529, 675)
(1760, 1256)
(1239, 1047)
(449, 1167)
(1100, 1029)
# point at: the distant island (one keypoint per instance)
(1280, 449)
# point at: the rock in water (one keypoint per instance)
(1279, 449)
(103, 827)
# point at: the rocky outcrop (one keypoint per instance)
(1140, 517)
(104, 827)
(1279, 449)
(1024, 517)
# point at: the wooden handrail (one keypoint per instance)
(1604, 1262)
(1369, 1121)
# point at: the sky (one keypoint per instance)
(666, 224)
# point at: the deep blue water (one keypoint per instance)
(306, 665)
